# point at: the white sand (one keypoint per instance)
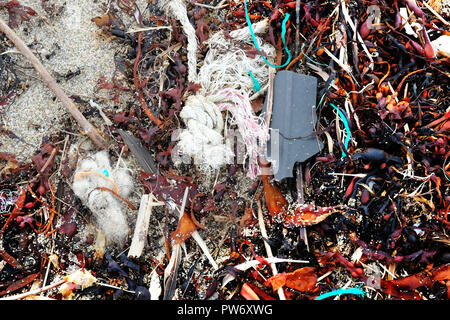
(34, 114)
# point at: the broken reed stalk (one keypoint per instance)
(51, 83)
(301, 200)
(34, 292)
(262, 227)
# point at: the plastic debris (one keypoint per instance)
(292, 137)
(356, 291)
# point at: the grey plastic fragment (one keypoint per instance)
(292, 137)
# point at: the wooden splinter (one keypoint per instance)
(51, 83)
(148, 201)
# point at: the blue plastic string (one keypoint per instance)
(105, 173)
(256, 85)
(347, 128)
(283, 34)
(356, 291)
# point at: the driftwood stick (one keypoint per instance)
(51, 83)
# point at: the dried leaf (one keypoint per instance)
(102, 21)
(303, 279)
(248, 293)
(275, 201)
(81, 278)
(54, 260)
(19, 284)
(8, 258)
(67, 289)
(16, 10)
(403, 288)
(253, 263)
(184, 229)
(44, 162)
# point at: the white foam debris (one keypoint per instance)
(94, 172)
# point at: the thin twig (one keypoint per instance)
(435, 13)
(358, 36)
(297, 26)
(148, 29)
(219, 5)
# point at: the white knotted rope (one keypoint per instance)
(225, 86)
(202, 140)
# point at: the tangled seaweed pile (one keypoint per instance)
(370, 211)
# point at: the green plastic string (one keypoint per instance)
(315, 62)
(347, 128)
(283, 34)
(323, 96)
(256, 85)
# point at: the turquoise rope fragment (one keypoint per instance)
(283, 34)
(256, 85)
(356, 291)
(347, 128)
(105, 173)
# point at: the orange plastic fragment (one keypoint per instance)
(184, 229)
